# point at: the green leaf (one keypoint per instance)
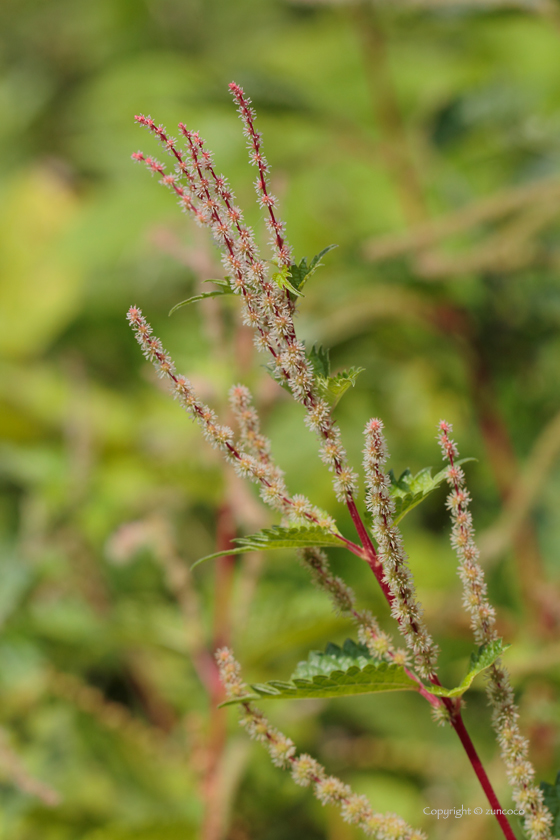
(350, 669)
(224, 289)
(334, 658)
(320, 359)
(271, 539)
(408, 491)
(338, 672)
(485, 656)
(552, 802)
(282, 279)
(300, 274)
(332, 388)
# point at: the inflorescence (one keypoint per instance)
(505, 716)
(405, 607)
(269, 308)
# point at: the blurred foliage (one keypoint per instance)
(424, 139)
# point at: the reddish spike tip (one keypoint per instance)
(147, 121)
(237, 90)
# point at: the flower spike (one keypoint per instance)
(405, 607)
(514, 747)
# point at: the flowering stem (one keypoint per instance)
(372, 559)
(455, 717)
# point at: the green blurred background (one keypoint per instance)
(424, 139)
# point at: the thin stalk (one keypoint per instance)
(371, 557)
(452, 707)
(211, 827)
(459, 727)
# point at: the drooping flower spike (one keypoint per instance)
(305, 770)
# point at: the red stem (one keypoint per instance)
(464, 737)
(371, 555)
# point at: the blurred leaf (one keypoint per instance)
(271, 539)
(300, 274)
(552, 802)
(39, 286)
(409, 490)
(16, 578)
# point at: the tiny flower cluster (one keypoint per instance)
(305, 770)
(514, 747)
(404, 607)
(230, 673)
(475, 600)
(257, 158)
(218, 435)
(297, 508)
(377, 641)
(274, 492)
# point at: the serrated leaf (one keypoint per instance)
(338, 672)
(320, 359)
(300, 274)
(350, 670)
(271, 539)
(224, 289)
(409, 490)
(332, 659)
(552, 801)
(332, 388)
(485, 656)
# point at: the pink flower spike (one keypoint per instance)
(257, 158)
(146, 121)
